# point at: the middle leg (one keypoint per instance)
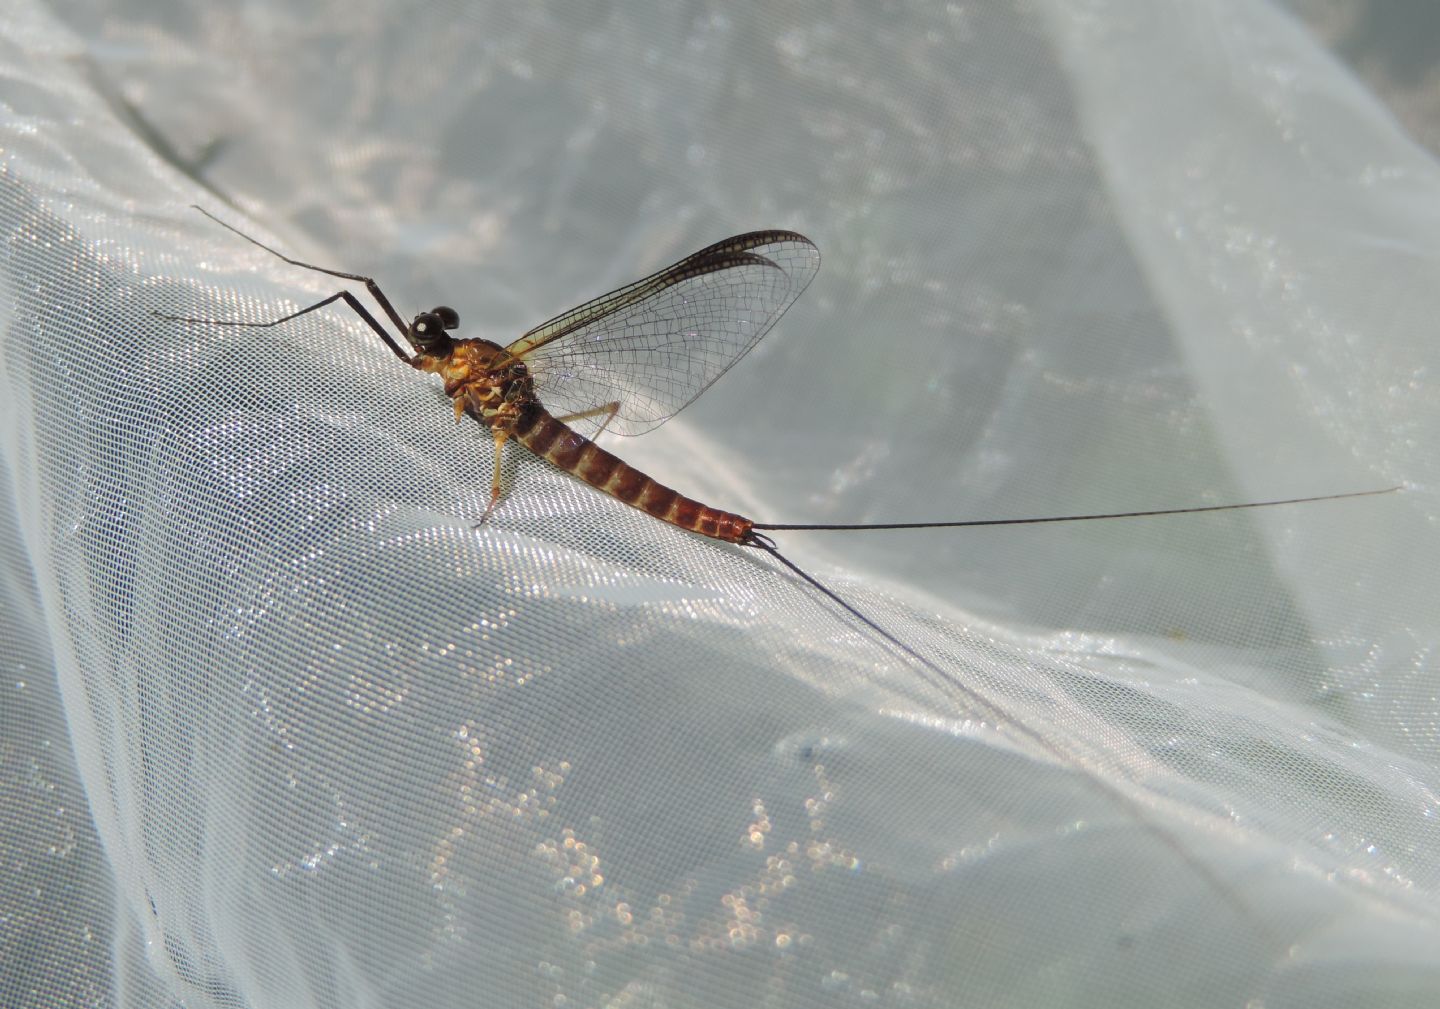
(500, 438)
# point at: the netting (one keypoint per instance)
(281, 727)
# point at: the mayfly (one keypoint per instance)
(628, 361)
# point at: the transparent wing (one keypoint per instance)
(655, 345)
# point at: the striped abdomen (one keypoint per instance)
(555, 442)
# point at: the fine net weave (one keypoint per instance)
(279, 727)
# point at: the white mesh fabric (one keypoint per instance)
(281, 728)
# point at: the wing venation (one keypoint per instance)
(654, 345)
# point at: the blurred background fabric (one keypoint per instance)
(280, 727)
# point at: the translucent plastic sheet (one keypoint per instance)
(279, 727)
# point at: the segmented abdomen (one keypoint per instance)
(557, 443)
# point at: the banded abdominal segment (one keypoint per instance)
(567, 449)
(489, 383)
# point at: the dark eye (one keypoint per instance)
(518, 369)
(448, 317)
(428, 332)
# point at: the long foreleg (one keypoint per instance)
(349, 299)
(344, 296)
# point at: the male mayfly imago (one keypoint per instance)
(628, 361)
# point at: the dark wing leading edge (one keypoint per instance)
(655, 345)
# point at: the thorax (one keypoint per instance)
(484, 380)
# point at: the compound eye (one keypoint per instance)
(428, 330)
(448, 317)
(518, 369)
